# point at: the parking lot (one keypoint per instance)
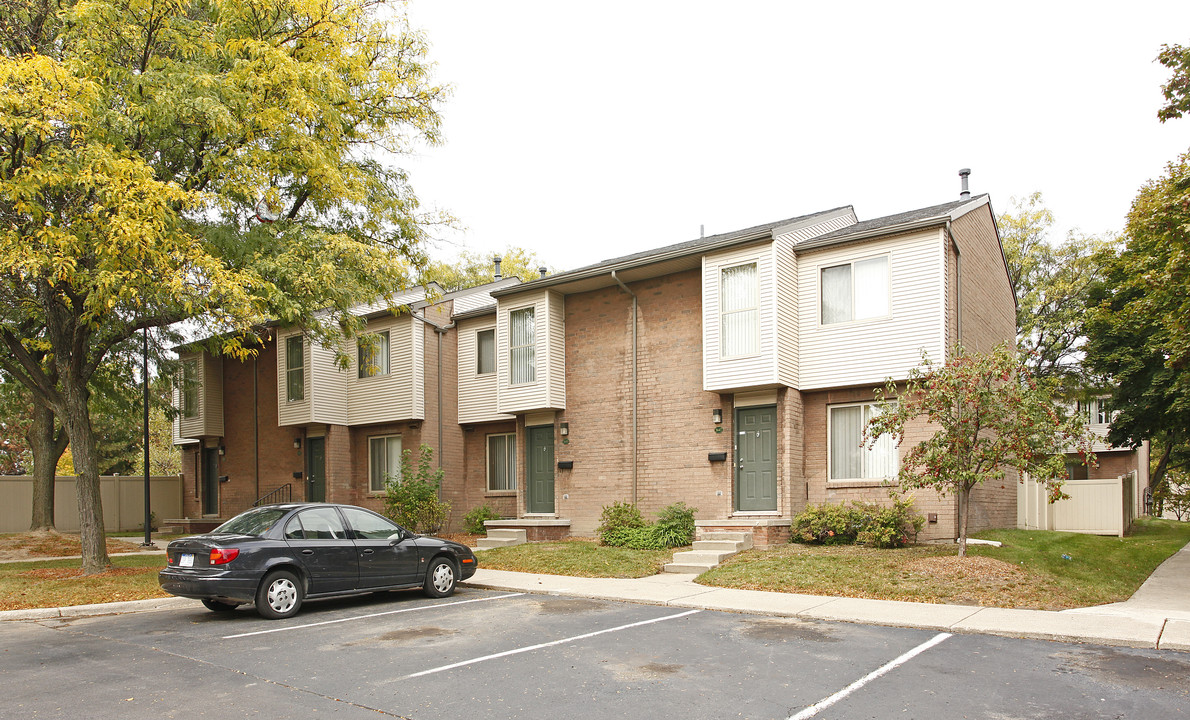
(493, 654)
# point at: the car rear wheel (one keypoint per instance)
(279, 595)
(440, 578)
(216, 606)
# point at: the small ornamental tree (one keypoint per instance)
(990, 416)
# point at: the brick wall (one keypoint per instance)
(473, 490)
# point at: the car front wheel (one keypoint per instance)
(440, 578)
(279, 595)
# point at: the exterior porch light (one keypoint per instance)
(297, 443)
(222, 450)
(564, 429)
(717, 416)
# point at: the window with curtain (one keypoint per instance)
(190, 388)
(373, 355)
(855, 291)
(850, 458)
(485, 352)
(502, 461)
(295, 368)
(384, 461)
(739, 305)
(522, 349)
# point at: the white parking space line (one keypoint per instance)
(821, 705)
(371, 615)
(530, 648)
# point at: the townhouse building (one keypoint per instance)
(733, 372)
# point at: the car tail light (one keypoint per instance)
(222, 556)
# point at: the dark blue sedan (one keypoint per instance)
(276, 556)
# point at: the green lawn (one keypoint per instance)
(59, 583)
(581, 558)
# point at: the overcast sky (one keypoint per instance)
(585, 131)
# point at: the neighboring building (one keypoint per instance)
(733, 372)
(1111, 461)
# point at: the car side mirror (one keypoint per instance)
(396, 537)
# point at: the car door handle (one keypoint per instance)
(369, 551)
(307, 552)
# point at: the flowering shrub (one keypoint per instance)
(861, 523)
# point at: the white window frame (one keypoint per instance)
(479, 352)
(1094, 413)
(290, 369)
(377, 477)
(865, 452)
(850, 264)
(529, 348)
(190, 388)
(373, 358)
(753, 310)
(509, 455)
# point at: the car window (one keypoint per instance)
(369, 525)
(322, 524)
(252, 522)
(293, 529)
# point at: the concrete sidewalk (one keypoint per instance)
(1157, 616)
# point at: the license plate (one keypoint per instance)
(186, 560)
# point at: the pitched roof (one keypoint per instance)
(935, 214)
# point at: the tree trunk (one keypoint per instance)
(47, 447)
(77, 420)
(964, 503)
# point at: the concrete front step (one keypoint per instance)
(732, 546)
(502, 537)
(744, 537)
(712, 549)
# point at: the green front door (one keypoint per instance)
(210, 481)
(756, 458)
(539, 456)
(316, 469)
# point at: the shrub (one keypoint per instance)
(621, 525)
(616, 518)
(411, 500)
(880, 526)
(473, 521)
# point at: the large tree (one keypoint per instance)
(470, 269)
(1138, 327)
(989, 416)
(1050, 280)
(219, 160)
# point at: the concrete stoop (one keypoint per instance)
(500, 537)
(712, 549)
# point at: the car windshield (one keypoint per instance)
(253, 522)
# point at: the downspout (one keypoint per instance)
(635, 454)
(255, 428)
(440, 330)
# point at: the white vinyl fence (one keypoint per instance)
(122, 495)
(1097, 507)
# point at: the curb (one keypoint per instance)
(113, 608)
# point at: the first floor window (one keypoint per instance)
(855, 291)
(850, 457)
(373, 355)
(384, 461)
(502, 462)
(295, 368)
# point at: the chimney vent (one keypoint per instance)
(497, 275)
(964, 174)
(543, 270)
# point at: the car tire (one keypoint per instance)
(279, 595)
(440, 578)
(217, 606)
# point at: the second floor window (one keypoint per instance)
(522, 346)
(190, 388)
(485, 352)
(855, 291)
(295, 368)
(739, 304)
(1097, 411)
(373, 355)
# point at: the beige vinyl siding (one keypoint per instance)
(548, 388)
(758, 369)
(869, 351)
(474, 301)
(298, 411)
(796, 234)
(787, 320)
(208, 419)
(327, 387)
(477, 393)
(397, 395)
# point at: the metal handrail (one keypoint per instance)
(281, 494)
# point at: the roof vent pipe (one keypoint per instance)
(543, 270)
(964, 174)
(497, 275)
